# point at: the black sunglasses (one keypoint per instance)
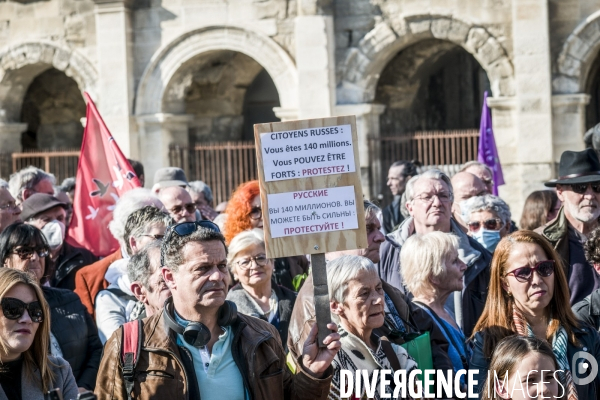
(184, 229)
(394, 333)
(15, 308)
(581, 188)
(25, 253)
(524, 274)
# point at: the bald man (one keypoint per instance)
(178, 203)
(466, 185)
(481, 171)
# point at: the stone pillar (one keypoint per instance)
(315, 46)
(10, 136)
(115, 72)
(286, 114)
(568, 122)
(526, 151)
(367, 126)
(157, 133)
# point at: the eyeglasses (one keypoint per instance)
(190, 208)
(14, 309)
(184, 229)
(261, 260)
(442, 197)
(25, 253)
(256, 213)
(492, 224)
(581, 188)
(10, 206)
(524, 274)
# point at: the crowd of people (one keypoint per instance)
(190, 305)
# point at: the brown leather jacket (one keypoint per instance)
(165, 370)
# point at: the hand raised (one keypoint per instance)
(318, 359)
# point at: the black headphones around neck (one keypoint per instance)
(196, 333)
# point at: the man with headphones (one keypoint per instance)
(199, 347)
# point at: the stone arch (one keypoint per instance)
(364, 63)
(577, 56)
(166, 62)
(20, 64)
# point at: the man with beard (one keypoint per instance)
(578, 187)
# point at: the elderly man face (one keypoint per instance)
(374, 240)
(465, 185)
(484, 174)
(178, 203)
(9, 211)
(198, 198)
(152, 232)
(43, 186)
(581, 208)
(431, 205)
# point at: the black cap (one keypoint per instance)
(577, 167)
(38, 203)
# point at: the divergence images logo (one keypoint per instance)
(589, 367)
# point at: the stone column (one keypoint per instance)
(157, 133)
(286, 114)
(526, 154)
(315, 46)
(367, 126)
(115, 72)
(568, 122)
(10, 136)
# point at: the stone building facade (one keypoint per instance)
(182, 71)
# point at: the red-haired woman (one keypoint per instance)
(244, 212)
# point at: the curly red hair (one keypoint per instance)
(238, 209)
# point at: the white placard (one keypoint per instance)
(307, 152)
(312, 211)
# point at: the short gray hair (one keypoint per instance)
(429, 174)
(470, 164)
(140, 220)
(201, 187)
(143, 264)
(424, 257)
(27, 178)
(487, 202)
(370, 209)
(342, 270)
(129, 202)
(243, 240)
(172, 250)
(3, 184)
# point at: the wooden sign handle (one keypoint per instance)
(321, 295)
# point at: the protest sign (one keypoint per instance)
(310, 190)
(311, 195)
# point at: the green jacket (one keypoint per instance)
(557, 233)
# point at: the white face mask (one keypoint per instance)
(54, 231)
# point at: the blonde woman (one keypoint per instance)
(27, 371)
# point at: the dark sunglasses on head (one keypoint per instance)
(25, 253)
(581, 188)
(184, 229)
(14, 309)
(492, 224)
(524, 274)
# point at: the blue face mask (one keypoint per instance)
(488, 239)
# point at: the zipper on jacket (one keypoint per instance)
(187, 377)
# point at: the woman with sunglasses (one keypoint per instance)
(488, 219)
(432, 271)
(529, 296)
(244, 212)
(256, 294)
(72, 334)
(27, 370)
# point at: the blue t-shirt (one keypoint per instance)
(218, 376)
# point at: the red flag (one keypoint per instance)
(103, 175)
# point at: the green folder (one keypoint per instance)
(420, 349)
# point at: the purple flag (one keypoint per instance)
(488, 153)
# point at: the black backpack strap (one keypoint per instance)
(131, 345)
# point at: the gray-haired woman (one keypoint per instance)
(488, 219)
(256, 294)
(358, 306)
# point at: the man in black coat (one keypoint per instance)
(400, 172)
